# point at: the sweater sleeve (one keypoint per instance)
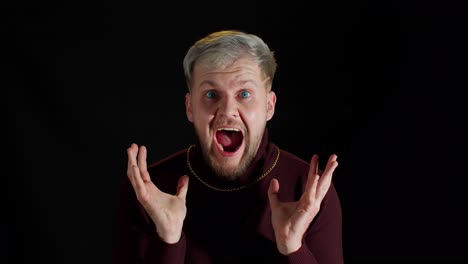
(136, 240)
(323, 240)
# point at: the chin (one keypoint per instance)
(228, 163)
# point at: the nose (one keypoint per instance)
(228, 107)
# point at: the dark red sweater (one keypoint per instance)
(227, 226)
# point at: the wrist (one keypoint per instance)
(169, 237)
(288, 248)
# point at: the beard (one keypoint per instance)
(221, 168)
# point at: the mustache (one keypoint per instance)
(228, 123)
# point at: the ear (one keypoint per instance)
(188, 107)
(271, 102)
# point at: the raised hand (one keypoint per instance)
(167, 211)
(291, 219)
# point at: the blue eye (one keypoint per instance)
(211, 94)
(244, 94)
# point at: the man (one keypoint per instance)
(233, 196)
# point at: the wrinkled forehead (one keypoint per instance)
(244, 67)
(239, 71)
(221, 61)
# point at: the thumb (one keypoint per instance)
(182, 187)
(273, 191)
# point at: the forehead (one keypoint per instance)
(241, 70)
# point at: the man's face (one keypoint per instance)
(229, 109)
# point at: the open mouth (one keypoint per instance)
(229, 139)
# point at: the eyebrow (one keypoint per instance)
(243, 82)
(213, 84)
(209, 82)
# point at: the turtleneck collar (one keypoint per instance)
(262, 161)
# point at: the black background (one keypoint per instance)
(380, 83)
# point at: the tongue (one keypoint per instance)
(229, 139)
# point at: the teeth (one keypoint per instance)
(229, 129)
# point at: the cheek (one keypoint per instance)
(251, 116)
(254, 116)
(203, 109)
(202, 116)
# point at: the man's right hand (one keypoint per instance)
(167, 211)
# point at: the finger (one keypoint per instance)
(331, 166)
(130, 176)
(182, 187)
(143, 153)
(312, 177)
(313, 170)
(326, 179)
(310, 191)
(273, 191)
(332, 158)
(314, 164)
(137, 182)
(131, 153)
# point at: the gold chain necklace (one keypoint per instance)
(236, 188)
